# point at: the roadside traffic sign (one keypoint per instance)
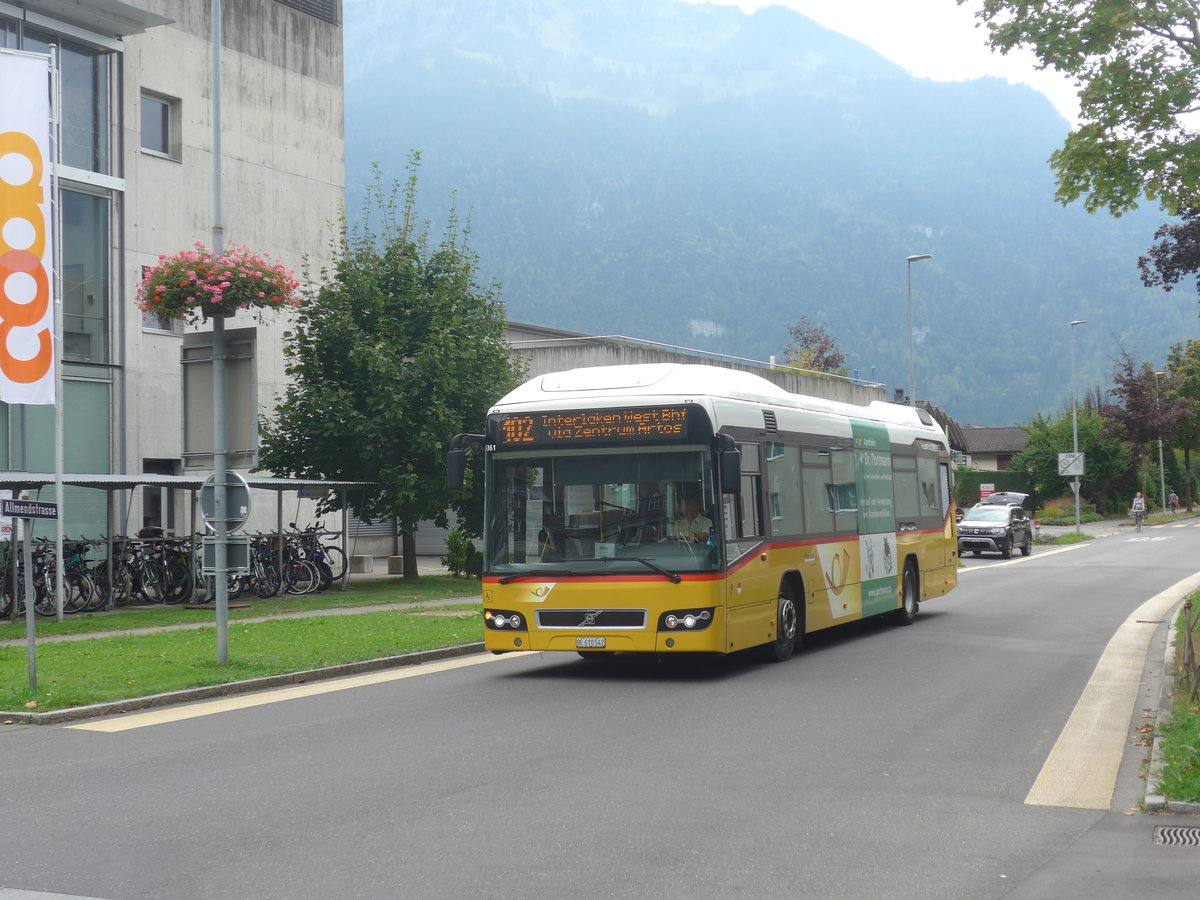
(1070, 464)
(237, 501)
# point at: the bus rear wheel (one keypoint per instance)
(787, 627)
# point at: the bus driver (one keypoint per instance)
(693, 525)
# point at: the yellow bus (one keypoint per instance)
(688, 508)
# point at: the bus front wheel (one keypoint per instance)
(908, 597)
(787, 627)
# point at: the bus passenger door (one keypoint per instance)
(751, 589)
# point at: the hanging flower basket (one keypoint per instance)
(198, 283)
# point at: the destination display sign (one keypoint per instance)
(598, 426)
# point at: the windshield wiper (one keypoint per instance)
(542, 573)
(674, 576)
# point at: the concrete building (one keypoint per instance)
(136, 181)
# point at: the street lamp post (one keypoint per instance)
(1075, 420)
(912, 369)
(1162, 479)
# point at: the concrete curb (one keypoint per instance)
(59, 716)
(1154, 802)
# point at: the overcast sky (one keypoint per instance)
(930, 38)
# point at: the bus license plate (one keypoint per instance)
(589, 643)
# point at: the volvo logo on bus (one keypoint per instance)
(589, 618)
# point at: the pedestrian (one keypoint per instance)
(1138, 509)
(1173, 500)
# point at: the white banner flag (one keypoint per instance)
(26, 238)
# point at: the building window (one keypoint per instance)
(153, 321)
(160, 125)
(86, 105)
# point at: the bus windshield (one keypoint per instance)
(597, 512)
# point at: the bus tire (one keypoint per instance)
(787, 627)
(909, 597)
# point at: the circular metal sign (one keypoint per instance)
(237, 501)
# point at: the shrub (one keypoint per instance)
(462, 557)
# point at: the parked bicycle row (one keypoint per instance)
(153, 568)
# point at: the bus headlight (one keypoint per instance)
(503, 620)
(685, 620)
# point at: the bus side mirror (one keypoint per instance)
(729, 460)
(456, 459)
(456, 468)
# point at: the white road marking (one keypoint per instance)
(247, 701)
(1081, 770)
(1041, 554)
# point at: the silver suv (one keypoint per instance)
(996, 527)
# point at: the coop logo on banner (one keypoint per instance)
(26, 243)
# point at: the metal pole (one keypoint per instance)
(60, 575)
(220, 517)
(1162, 478)
(912, 367)
(1074, 421)
(30, 628)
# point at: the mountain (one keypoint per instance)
(702, 177)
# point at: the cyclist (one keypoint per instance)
(1138, 509)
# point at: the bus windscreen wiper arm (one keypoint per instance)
(542, 573)
(674, 576)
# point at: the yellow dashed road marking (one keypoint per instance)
(246, 701)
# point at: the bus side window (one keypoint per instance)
(741, 518)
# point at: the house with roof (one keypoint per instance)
(992, 449)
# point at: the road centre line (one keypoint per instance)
(247, 701)
(1081, 770)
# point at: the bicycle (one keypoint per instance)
(330, 555)
(308, 546)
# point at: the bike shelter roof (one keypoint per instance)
(39, 480)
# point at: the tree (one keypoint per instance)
(1137, 66)
(1145, 406)
(1183, 362)
(1176, 255)
(1106, 454)
(396, 350)
(814, 349)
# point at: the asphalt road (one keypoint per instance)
(879, 762)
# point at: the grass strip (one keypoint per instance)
(80, 673)
(366, 593)
(1180, 774)
(1063, 540)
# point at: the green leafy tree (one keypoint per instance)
(1106, 453)
(397, 350)
(1137, 66)
(1183, 363)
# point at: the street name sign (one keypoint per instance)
(29, 509)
